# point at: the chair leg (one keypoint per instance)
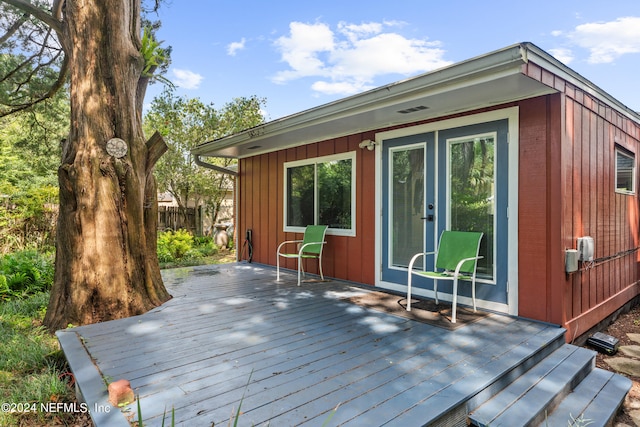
(320, 266)
(455, 300)
(278, 268)
(409, 292)
(299, 269)
(473, 293)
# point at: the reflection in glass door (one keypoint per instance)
(408, 203)
(471, 191)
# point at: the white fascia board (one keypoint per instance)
(496, 62)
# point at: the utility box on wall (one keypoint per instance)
(585, 248)
(571, 260)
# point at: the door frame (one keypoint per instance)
(511, 114)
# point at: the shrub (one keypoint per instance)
(205, 247)
(173, 245)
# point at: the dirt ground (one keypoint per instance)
(624, 324)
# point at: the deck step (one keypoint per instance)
(528, 399)
(595, 401)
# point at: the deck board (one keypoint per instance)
(296, 353)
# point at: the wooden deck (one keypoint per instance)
(294, 353)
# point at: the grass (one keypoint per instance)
(31, 364)
(33, 369)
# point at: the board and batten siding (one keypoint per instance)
(261, 209)
(566, 176)
(567, 180)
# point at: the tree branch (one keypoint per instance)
(42, 15)
(15, 27)
(62, 76)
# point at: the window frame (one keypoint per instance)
(621, 151)
(351, 155)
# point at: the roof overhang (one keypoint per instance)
(492, 79)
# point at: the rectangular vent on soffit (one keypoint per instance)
(413, 109)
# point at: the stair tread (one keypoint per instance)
(595, 400)
(542, 385)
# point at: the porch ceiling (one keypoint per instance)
(488, 80)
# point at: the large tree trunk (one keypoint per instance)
(106, 263)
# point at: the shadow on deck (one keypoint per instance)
(294, 354)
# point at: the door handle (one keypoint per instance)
(428, 218)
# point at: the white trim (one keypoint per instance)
(349, 155)
(413, 146)
(512, 115)
(632, 156)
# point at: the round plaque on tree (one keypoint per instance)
(117, 148)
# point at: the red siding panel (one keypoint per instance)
(533, 262)
(261, 186)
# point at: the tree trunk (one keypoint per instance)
(106, 262)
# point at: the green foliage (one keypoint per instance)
(174, 245)
(186, 122)
(204, 246)
(25, 273)
(191, 250)
(32, 368)
(29, 157)
(154, 56)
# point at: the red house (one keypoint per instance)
(512, 143)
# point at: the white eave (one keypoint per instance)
(491, 79)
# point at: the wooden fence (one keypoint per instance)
(171, 217)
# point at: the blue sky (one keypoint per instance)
(300, 54)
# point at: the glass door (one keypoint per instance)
(408, 203)
(451, 179)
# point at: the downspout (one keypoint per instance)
(234, 174)
(216, 168)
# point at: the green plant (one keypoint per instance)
(32, 368)
(25, 273)
(164, 415)
(173, 245)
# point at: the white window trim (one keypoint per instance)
(632, 156)
(351, 155)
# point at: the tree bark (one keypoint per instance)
(106, 262)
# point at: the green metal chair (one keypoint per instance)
(456, 259)
(309, 247)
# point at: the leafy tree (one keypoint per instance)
(30, 142)
(184, 123)
(106, 265)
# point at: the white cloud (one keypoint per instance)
(186, 79)
(350, 58)
(563, 55)
(233, 47)
(607, 41)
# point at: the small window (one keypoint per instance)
(625, 171)
(321, 191)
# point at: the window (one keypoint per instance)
(321, 191)
(625, 171)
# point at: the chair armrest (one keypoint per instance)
(416, 256)
(301, 250)
(287, 242)
(462, 261)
